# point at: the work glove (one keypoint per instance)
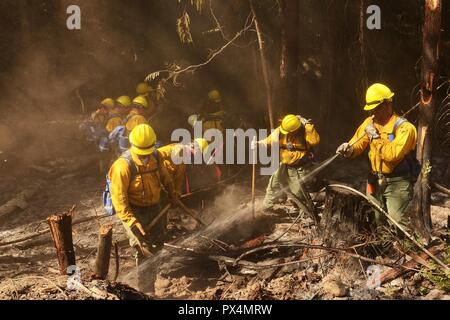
(345, 149)
(372, 132)
(138, 229)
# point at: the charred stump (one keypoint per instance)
(104, 252)
(345, 216)
(61, 230)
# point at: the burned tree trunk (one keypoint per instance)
(345, 216)
(264, 67)
(104, 252)
(431, 36)
(61, 230)
(289, 56)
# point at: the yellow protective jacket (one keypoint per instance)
(213, 121)
(142, 189)
(133, 120)
(99, 116)
(177, 172)
(114, 121)
(385, 155)
(301, 141)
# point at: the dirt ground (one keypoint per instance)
(29, 269)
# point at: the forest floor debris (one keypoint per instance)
(29, 270)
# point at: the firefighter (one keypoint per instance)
(121, 109)
(296, 138)
(138, 112)
(178, 171)
(135, 187)
(212, 113)
(101, 115)
(118, 138)
(391, 141)
(144, 90)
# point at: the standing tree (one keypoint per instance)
(430, 63)
(289, 56)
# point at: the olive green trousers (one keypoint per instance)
(288, 178)
(394, 200)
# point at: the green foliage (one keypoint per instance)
(438, 277)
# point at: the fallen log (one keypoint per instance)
(394, 273)
(345, 216)
(20, 200)
(440, 188)
(61, 230)
(40, 233)
(104, 252)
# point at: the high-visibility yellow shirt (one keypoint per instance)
(302, 141)
(114, 121)
(99, 116)
(213, 121)
(176, 171)
(144, 189)
(385, 155)
(135, 120)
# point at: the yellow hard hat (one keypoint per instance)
(376, 94)
(142, 140)
(141, 100)
(290, 123)
(214, 95)
(143, 88)
(124, 101)
(134, 121)
(202, 144)
(108, 102)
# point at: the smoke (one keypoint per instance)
(229, 219)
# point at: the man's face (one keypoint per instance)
(383, 112)
(139, 110)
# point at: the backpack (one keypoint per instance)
(409, 164)
(91, 131)
(107, 200)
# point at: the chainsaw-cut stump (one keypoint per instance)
(345, 216)
(61, 230)
(103, 252)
